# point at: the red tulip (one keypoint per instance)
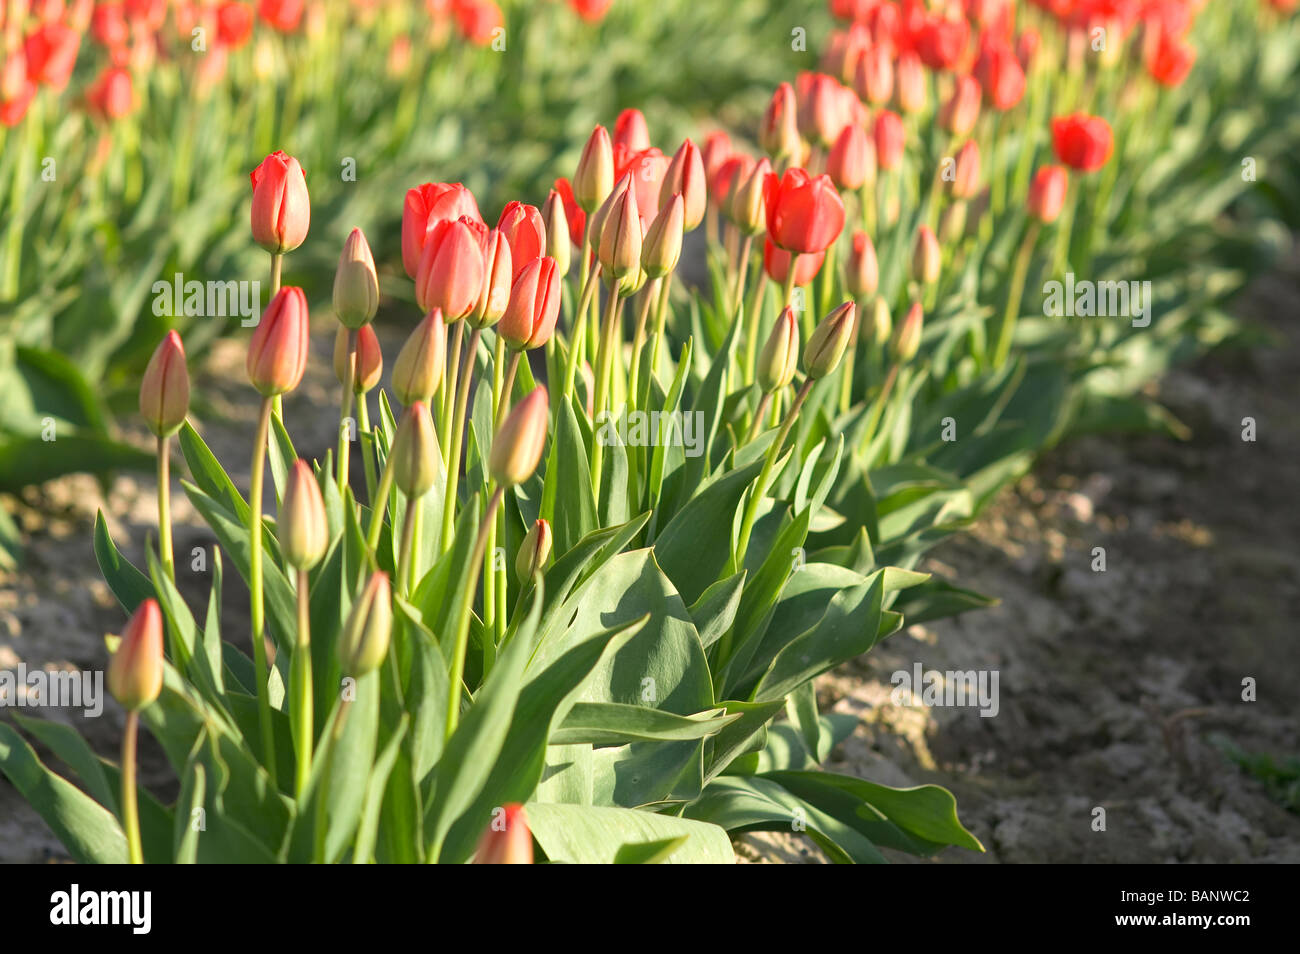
(165, 387)
(135, 673)
(522, 226)
(889, 135)
(51, 52)
(630, 131)
(108, 24)
(863, 268)
(873, 79)
(534, 306)
(962, 110)
(776, 262)
(1171, 61)
(823, 110)
(277, 353)
(942, 42)
(729, 176)
(478, 20)
(593, 11)
(147, 14)
(282, 15)
(716, 151)
(498, 272)
(966, 177)
(1047, 193)
(911, 83)
(852, 160)
(779, 132)
(281, 210)
(573, 213)
(507, 840)
(234, 23)
(1001, 76)
(647, 169)
(685, 177)
(747, 208)
(450, 274)
(1082, 142)
(1027, 48)
(110, 97)
(424, 208)
(804, 214)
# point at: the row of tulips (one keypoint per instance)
(639, 672)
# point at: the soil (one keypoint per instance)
(1112, 685)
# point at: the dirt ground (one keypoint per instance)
(1112, 684)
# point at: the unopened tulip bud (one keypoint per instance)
(596, 224)
(780, 355)
(852, 160)
(594, 176)
(165, 387)
(356, 284)
(556, 223)
(277, 353)
(779, 133)
(952, 224)
(369, 366)
(534, 306)
(417, 373)
(1047, 193)
(890, 139)
(911, 83)
(962, 110)
(415, 455)
(620, 238)
(301, 528)
(522, 226)
(663, 240)
(450, 274)
(863, 271)
(135, 673)
(876, 332)
(927, 257)
(281, 209)
(748, 200)
(873, 77)
(498, 273)
(363, 641)
(517, 448)
(685, 177)
(534, 551)
(507, 840)
(630, 130)
(907, 337)
(827, 343)
(966, 174)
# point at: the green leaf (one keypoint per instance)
(612, 723)
(584, 834)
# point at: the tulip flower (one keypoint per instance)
(418, 371)
(478, 20)
(573, 213)
(363, 641)
(594, 176)
(804, 214)
(748, 206)
(685, 177)
(645, 172)
(498, 270)
(1082, 142)
(878, 330)
(777, 263)
(534, 551)
(234, 24)
(450, 275)
(873, 79)
(135, 678)
(593, 11)
(523, 227)
(367, 362)
(966, 175)
(165, 388)
(302, 532)
(356, 283)
(889, 136)
(281, 210)
(507, 840)
(662, 246)
(715, 151)
(779, 132)
(779, 358)
(1000, 76)
(863, 269)
(529, 319)
(821, 113)
(729, 176)
(630, 131)
(424, 208)
(51, 53)
(911, 83)
(277, 353)
(1047, 194)
(1027, 44)
(941, 42)
(927, 257)
(907, 337)
(852, 160)
(556, 229)
(962, 109)
(827, 344)
(620, 235)
(1171, 60)
(517, 447)
(110, 97)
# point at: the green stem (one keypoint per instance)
(345, 443)
(1006, 330)
(752, 326)
(604, 362)
(648, 294)
(323, 789)
(448, 397)
(301, 689)
(367, 444)
(507, 385)
(406, 569)
(1064, 228)
(578, 345)
(464, 610)
(165, 508)
(457, 425)
(277, 262)
(130, 809)
(256, 614)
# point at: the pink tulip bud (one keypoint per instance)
(534, 551)
(962, 110)
(1047, 193)
(779, 133)
(135, 673)
(685, 177)
(524, 229)
(890, 140)
(165, 388)
(594, 176)
(748, 205)
(507, 840)
(498, 269)
(911, 83)
(517, 448)
(277, 353)
(417, 373)
(301, 528)
(281, 208)
(927, 257)
(450, 276)
(556, 223)
(620, 237)
(630, 131)
(873, 79)
(966, 176)
(663, 241)
(534, 306)
(852, 160)
(369, 366)
(863, 269)
(907, 336)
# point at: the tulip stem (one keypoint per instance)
(756, 427)
(406, 569)
(847, 372)
(463, 611)
(742, 273)
(379, 504)
(130, 808)
(277, 261)
(256, 611)
(345, 418)
(323, 786)
(507, 385)
(765, 475)
(367, 453)
(165, 508)
(1064, 228)
(604, 362)
(1012, 311)
(661, 317)
(752, 328)
(877, 409)
(648, 294)
(457, 439)
(578, 344)
(301, 689)
(445, 408)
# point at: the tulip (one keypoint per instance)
(852, 160)
(356, 283)
(685, 177)
(877, 331)
(927, 257)
(911, 83)
(804, 214)
(1027, 44)
(873, 79)
(748, 208)
(534, 551)
(111, 97)
(594, 177)
(780, 356)
(890, 140)
(863, 269)
(730, 175)
(529, 319)
(418, 370)
(277, 353)
(507, 840)
(51, 53)
(1082, 142)
(962, 110)
(423, 209)
(282, 15)
(478, 20)
(777, 262)
(302, 531)
(827, 343)
(779, 132)
(646, 171)
(630, 131)
(942, 41)
(556, 229)
(363, 641)
(281, 209)
(234, 24)
(517, 448)
(165, 388)
(821, 114)
(966, 176)
(415, 454)
(663, 242)
(596, 226)
(620, 237)
(135, 678)
(450, 276)
(526, 233)
(368, 366)
(907, 336)
(1000, 76)
(1171, 61)
(716, 151)
(498, 269)
(1047, 194)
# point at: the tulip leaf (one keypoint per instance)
(612, 723)
(129, 585)
(585, 834)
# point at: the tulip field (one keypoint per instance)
(536, 413)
